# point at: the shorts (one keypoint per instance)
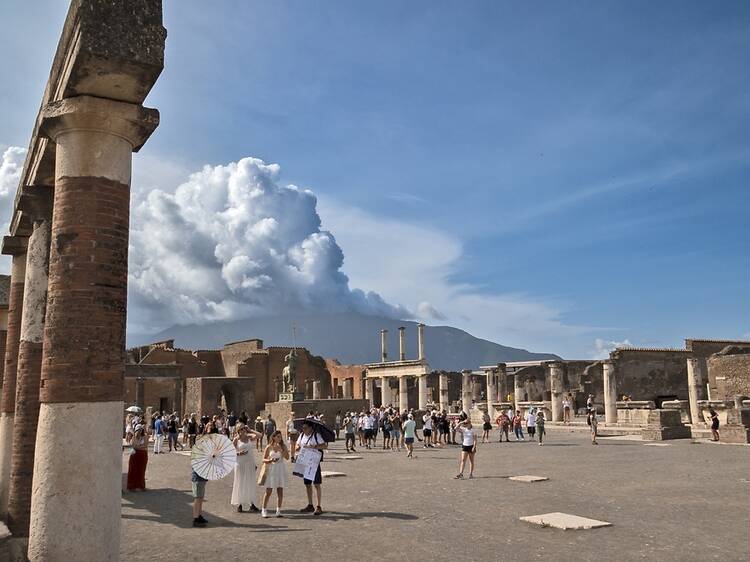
(318, 478)
(386, 434)
(409, 440)
(395, 433)
(426, 432)
(487, 426)
(368, 433)
(467, 448)
(531, 430)
(199, 490)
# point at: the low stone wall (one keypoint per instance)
(634, 412)
(665, 424)
(682, 406)
(546, 407)
(721, 407)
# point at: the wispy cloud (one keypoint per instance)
(406, 198)
(602, 348)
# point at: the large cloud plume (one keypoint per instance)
(231, 243)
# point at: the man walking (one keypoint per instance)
(159, 431)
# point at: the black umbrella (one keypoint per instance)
(318, 426)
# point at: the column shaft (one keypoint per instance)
(348, 388)
(370, 391)
(555, 372)
(177, 397)
(695, 376)
(443, 389)
(422, 382)
(140, 393)
(466, 391)
(8, 401)
(383, 345)
(420, 341)
(518, 391)
(385, 391)
(403, 394)
(27, 382)
(316, 390)
(84, 334)
(402, 344)
(610, 392)
(491, 393)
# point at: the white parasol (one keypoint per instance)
(133, 410)
(213, 456)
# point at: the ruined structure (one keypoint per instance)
(241, 376)
(66, 316)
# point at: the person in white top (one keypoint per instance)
(368, 424)
(427, 429)
(468, 448)
(531, 422)
(566, 409)
(273, 458)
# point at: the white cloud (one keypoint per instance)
(426, 311)
(602, 348)
(232, 242)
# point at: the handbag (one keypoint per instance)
(262, 474)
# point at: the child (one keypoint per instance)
(199, 492)
(273, 457)
(468, 448)
(594, 423)
(540, 426)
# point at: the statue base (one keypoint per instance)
(291, 396)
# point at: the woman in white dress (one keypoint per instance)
(243, 490)
(273, 457)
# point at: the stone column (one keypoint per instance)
(610, 392)
(140, 392)
(476, 389)
(369, 391)
(466, 391)
(402, 344)
(502, 382)
(518, 390)
(403, 394)
(348, 388)
(422, 382)
(177, 397)
(84, 334)
(420, 341)
(316, 395)
(696, 378)
(29, 373)
(383, 346)
(491, 392)
(556, 370)
(443, 389)
(16, 246)
(385, 391)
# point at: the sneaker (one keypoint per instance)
(309, 509)
(278, 512)
(198, 523)
(264, 513)
(318, 511)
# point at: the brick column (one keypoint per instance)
(29, 372)
(16, 247)
(79, 482)
(555, 370)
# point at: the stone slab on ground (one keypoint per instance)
(528, 478)
(331, 474)
(564, 521)
(351, 457)
(657, 445)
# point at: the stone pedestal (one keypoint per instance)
(737, 428)
(291, 396)
(610, 392)
(556, 370)
(663, 425)
(682, 406)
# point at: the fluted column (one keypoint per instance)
(316, 394)
(385, 391)
(17, 248)
(502, 382)
(84, 334)
(29, 372)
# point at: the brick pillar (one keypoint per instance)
(29, 372)
(16, 247)
(84, 334)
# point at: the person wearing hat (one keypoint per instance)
(259, 429)
(410, 427)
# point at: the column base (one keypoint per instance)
(76, 493)
(6, 451)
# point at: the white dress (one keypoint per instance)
(276, 472)
(244, 488)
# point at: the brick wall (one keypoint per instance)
(733, 371)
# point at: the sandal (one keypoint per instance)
(458, 477)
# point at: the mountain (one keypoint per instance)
(349, 337)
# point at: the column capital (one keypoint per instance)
(36, 202)
(129, 121)
(555, 364)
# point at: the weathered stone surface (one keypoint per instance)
(528, 478)
(564, 521)
(331, 474)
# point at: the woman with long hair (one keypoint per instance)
(138, 460)
(273, 457)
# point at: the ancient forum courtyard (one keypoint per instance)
(642, 453)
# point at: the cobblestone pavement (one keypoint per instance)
(685, 501)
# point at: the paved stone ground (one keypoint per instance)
(683, 502)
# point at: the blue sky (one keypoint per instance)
(543, 174)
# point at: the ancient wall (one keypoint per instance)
(212, 359)
(651, 374)
(340, 372)
(159, 394)
(191, 365)
(731, 374)
(209, 394)
(234, 353)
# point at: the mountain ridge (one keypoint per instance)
(351, 338)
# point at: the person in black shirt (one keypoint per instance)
(192, 430)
